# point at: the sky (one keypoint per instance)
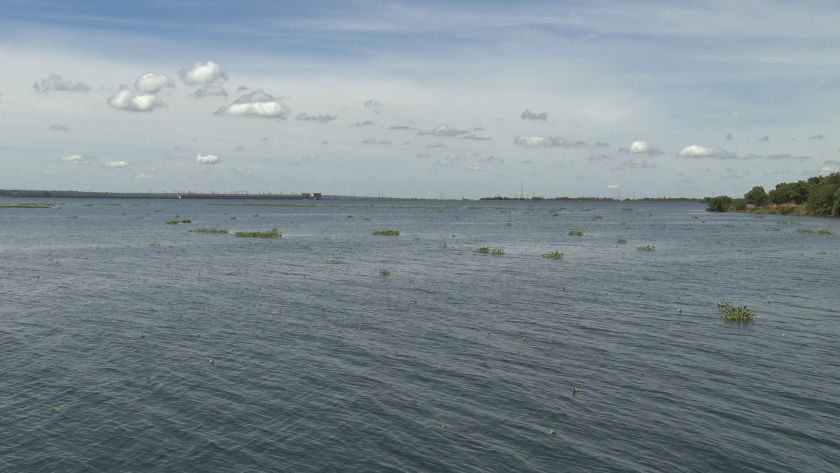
(419, 99)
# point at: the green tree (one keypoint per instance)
(756, 196)
(821, 196)
(720, 203)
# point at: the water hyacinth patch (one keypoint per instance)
(486, 250)
(735, 314)
(208, 230)
(273, 233)
(384, 272)
(575, 233)
(808, 231)
(386, 232)
(553, 255)
(622, 241)
(646, 248)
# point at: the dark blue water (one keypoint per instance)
(456, 361)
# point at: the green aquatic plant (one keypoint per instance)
(646, 248)
(384, 272)
(172, 222)
(727, 225)
(508, 224)
(808, 231)
(211, 361)
(596, 217)
(553, 255)
(142, 335)
(72, 216)
(386, 232)
(552, 432)
(208, 230)
(497, 251)
(575, 233)
(732, 313)
(626, 209)
(273, 233)
(622, 241)
(186, 220)
(54, 409)
(443, 245)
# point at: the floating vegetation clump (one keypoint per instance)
(443, 245)
(735, 314)
(384, 272)
(597, 217)
(553, 255)
(386, 232)
(273, 233)
(508, 224)
(627, 209)
(27, 205)
(575, 233)
(186, 220)
(176, 222)
(208, 230)
(727, 225)
(486, 250)
(646, 248)
(622, 241)
(808, 231)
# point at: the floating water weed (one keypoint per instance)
(72, 216)
(483, 250)
(497, 251)
(646, 248)
(211, 361)
(54, 409)
(273, 233)
(735, 314)
(154, 243)
(384, 272)
(552, 432)
(172, 222)
(208, 230)
(627, 208)
(574, 390)
(27, 205)
(727, 225)
(597, 217)
(622, 241)
(623, 223)
(575, 233)
(386, 232)
(808, 231)
(443, 245)
(186, 220)
(142, 335)
(553, 255)
(349, 216)
(508, 224)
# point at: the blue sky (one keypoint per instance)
(415, 99)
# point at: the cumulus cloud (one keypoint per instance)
(361, 124)
(538, 142)
(206, 159)
(473, 137)
(598, 157)
(210, 91)
(58, 127)
(777, 171)
(202, 73)
(449, 160)
(439, 145)
(116, 164)
(641, 147)
(577, 144)
(779, 156)
(816, 137)
(478, 128)
(373, 103)
(242, 87)
(401, 127)
(491, 159)
(372, 141)
(131, 101)
(74, 159)
(423, 156)
(151, 83)
(256, 104)
(57, 83)
(443, 130)
(527, 115)
(142, 176)
(637, 163)
(602, 144)
(832, 162)
(315, 118)
(697, 151)
(613, 186)
(475, 168)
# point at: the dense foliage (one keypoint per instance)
(819, 194)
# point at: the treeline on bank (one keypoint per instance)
(819, 195)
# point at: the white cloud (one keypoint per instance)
(475, 168)
(613, 186)
(637, 163)
(151, 83)
(443, 130)
(641, 147)
(131, 101)
(58, 127)
(451, 159)
(779, 156)
(315, 118)
(538, 142)
(117, 164)
(210, 91)
(777, 171)
(142, 176)
(473, 137)
(202, 73)
(256, 104)
(373, 103)
(697, 151)
(56, 82)
(206, 159)
(372, 141)
(527, 115)
(74, 159)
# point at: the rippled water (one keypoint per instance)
(455, 361)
